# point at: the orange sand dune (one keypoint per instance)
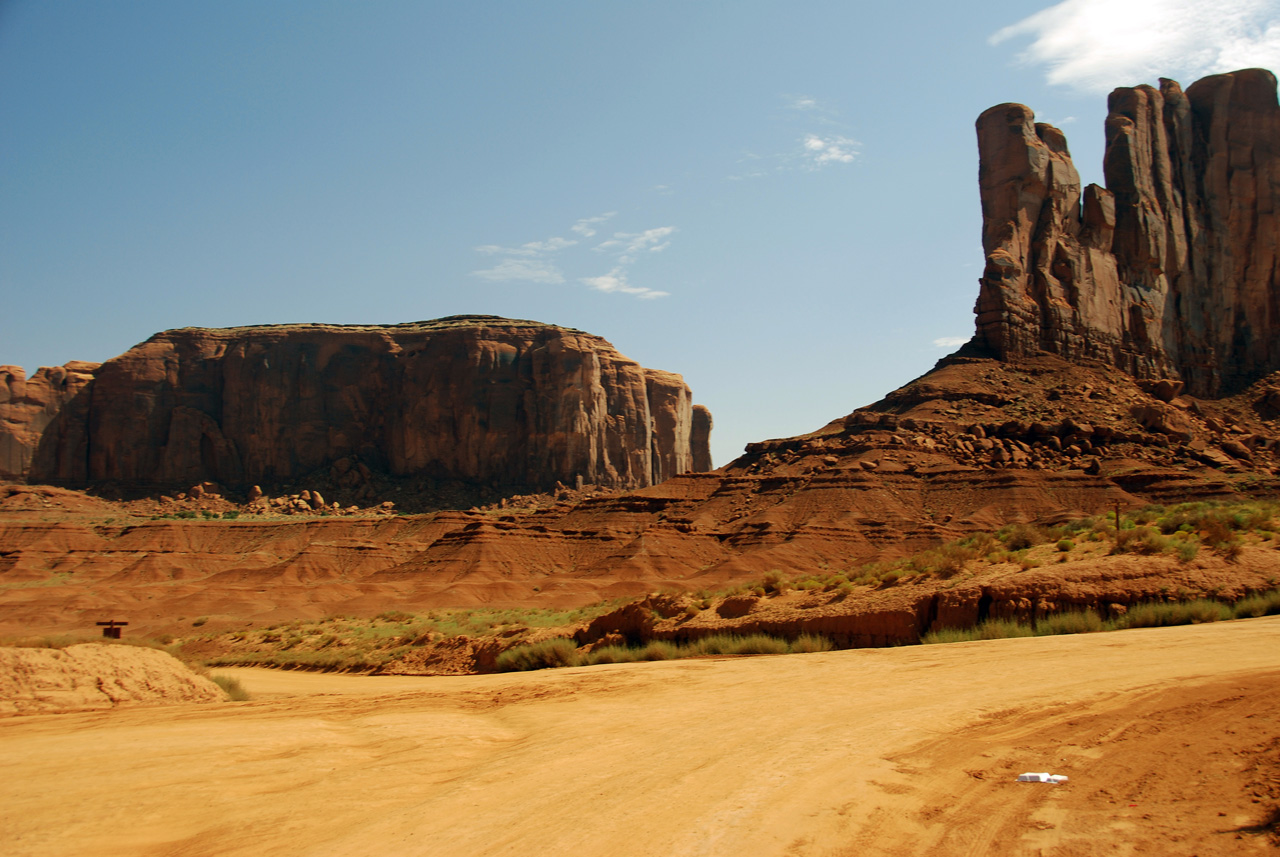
(1169, 737)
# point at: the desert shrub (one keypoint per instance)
(945, 561)
(611, 655)
(775, 582)
(185, 514)
(991, 629)
(230, 515)
(760, 644)
(807, 643)
(1264, 604)
(1174, 613)
(890, 578)
(1019, 537)
(1144, 541)
(1186, 548)
(950, 635)
(1065, 545)
(997, 629)
(659, 650)
(395, 616)
(231, 687)
(980, 543)
(558, 652)
(1073, 622)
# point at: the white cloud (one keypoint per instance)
(586, 226)
(803, 102)
(533, 261)
(494, 249)
(615, 282)
(634, 243)
(821, 151)
(551, 245)
(531, 270)
(1097, 45)
(950, 341)
(533, 248)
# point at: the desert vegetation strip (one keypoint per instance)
(1233, 539)
(1151, 615)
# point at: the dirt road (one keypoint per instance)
(1171, 738)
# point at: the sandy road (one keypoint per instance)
(1167, 734)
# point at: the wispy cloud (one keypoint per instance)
(586, 227)
(811, 150)
(630, 245)
(950, 341)
(530, 270)
(1096, 45)
(541, 262)
(615, 282)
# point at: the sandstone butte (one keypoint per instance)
(479, 399)
(1125, 353)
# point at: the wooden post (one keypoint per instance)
(111, 629)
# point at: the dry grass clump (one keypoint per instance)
(231, 687)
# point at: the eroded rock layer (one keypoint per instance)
(479, 399)
(1173, 269)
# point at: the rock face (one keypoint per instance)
(473, 398)
(29, 405)
(1172, 270)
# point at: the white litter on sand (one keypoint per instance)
(1043, 778)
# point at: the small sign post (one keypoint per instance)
(111, 630)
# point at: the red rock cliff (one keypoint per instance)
(475, 398)
(29, 405)
(1172, 270)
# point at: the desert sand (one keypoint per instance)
(1169, 737)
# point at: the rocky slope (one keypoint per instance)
(477, 399)
(1173, 269)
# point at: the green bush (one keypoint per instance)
(1065, 545)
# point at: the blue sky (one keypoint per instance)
(777, 200)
